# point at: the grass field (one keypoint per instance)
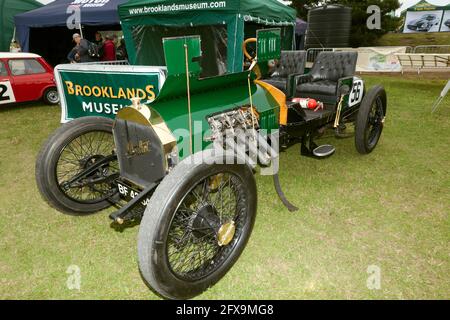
(389, 210)
(415, 39)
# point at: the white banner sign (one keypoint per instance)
(377, 59)
(445, 26)
(423, 21)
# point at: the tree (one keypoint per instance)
(303, 6)
(361, 35)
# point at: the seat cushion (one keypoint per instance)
(278, 83)
(325, 87)
(292, 62)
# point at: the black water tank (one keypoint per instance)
(329, 27)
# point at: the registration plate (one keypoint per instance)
(128, 193)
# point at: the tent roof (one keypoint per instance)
(9, 8)
(55, 14)
(267, 9)
(423, 5)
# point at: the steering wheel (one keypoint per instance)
(250, 56)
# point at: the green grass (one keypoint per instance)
(415, 39)
(388, 209)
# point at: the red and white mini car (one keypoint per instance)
(26, 77)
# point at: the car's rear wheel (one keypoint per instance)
(196, 226)
(370, 120)
(76, 168)
(51, 96)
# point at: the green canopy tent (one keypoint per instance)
(426, 6)
(8, 9)
(222, 25)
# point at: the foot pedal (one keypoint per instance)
(324, 151)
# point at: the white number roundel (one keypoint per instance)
(357, 93)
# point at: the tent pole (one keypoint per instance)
(188, 86)
(81, 31)
(14, 35)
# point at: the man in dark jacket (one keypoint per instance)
(80, 53)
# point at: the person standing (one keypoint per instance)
(80, 53)
(98, 39)
(71, 56)
(122, 51)
(109, 49)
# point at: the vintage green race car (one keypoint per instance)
(184, 165)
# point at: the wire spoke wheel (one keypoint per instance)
(195, 247)
(81, 154)
(76, 168)
(196, 226)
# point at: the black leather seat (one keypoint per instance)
(326, 87)
(328, 71)
(292, 64)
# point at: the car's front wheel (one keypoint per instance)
(196, 226)
(77, 167)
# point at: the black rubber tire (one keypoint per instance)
(153, 262)
(48, 158)
(49, 96)
(363, 146)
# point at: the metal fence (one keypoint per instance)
(423, 61)
(409, 50)
(432, 49)
(312, 53)
(110, 63)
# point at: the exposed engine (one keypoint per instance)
(239, 131)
